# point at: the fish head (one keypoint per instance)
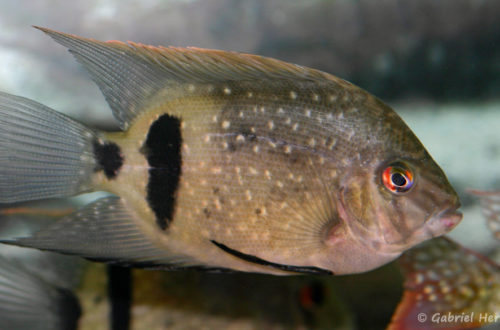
(395, 197)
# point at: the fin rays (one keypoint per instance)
(130, 74)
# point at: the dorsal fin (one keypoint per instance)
(128, 74)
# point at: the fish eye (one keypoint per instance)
(398, 178)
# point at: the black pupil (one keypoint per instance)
(398, 179)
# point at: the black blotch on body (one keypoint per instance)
(259, 261)
(162, 149)
(108, 158)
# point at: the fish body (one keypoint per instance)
(225, 161)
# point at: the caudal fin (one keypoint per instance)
(29, 302)
(43, 153)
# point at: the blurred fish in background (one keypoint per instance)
(435, 62)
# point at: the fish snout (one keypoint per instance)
(449, 218)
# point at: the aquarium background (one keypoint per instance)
(436, 62)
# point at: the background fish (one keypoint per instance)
(490, 201)
(443, 278)
(226, 160)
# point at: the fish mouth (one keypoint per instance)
(438, 224)
(449, 218)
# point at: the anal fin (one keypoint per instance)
(106, 231)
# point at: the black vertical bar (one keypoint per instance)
(120, 294)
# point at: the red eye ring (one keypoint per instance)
(398, 178)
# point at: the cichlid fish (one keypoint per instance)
(225, 161)
(490, 202)
(447, 286)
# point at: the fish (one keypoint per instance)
(447, 286)
(224, 162)
(490, 202)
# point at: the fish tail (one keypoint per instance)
(43, 153)
(27, 301)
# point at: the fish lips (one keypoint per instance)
(438, 224)
(444, 221)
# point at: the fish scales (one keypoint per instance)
(237, 161)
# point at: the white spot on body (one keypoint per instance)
(268, 174)
(240, 138)
(191, 88)
(288, 149)
(270, 125)
(185, 148)
(280, 110)
(312, 142)
(253, 171)
(307, 113)
(249, 94)
(207, 138)
(241, 114)
(217, 204)
(216, 170)
(263, 211)
(295, 126)
(288, 120)
(332, 98)
(293, 95)
(242, 227)
(215, 119)
(315, 97)
(227, 90)
(248, 195)
(256, 149)
(226, 124)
